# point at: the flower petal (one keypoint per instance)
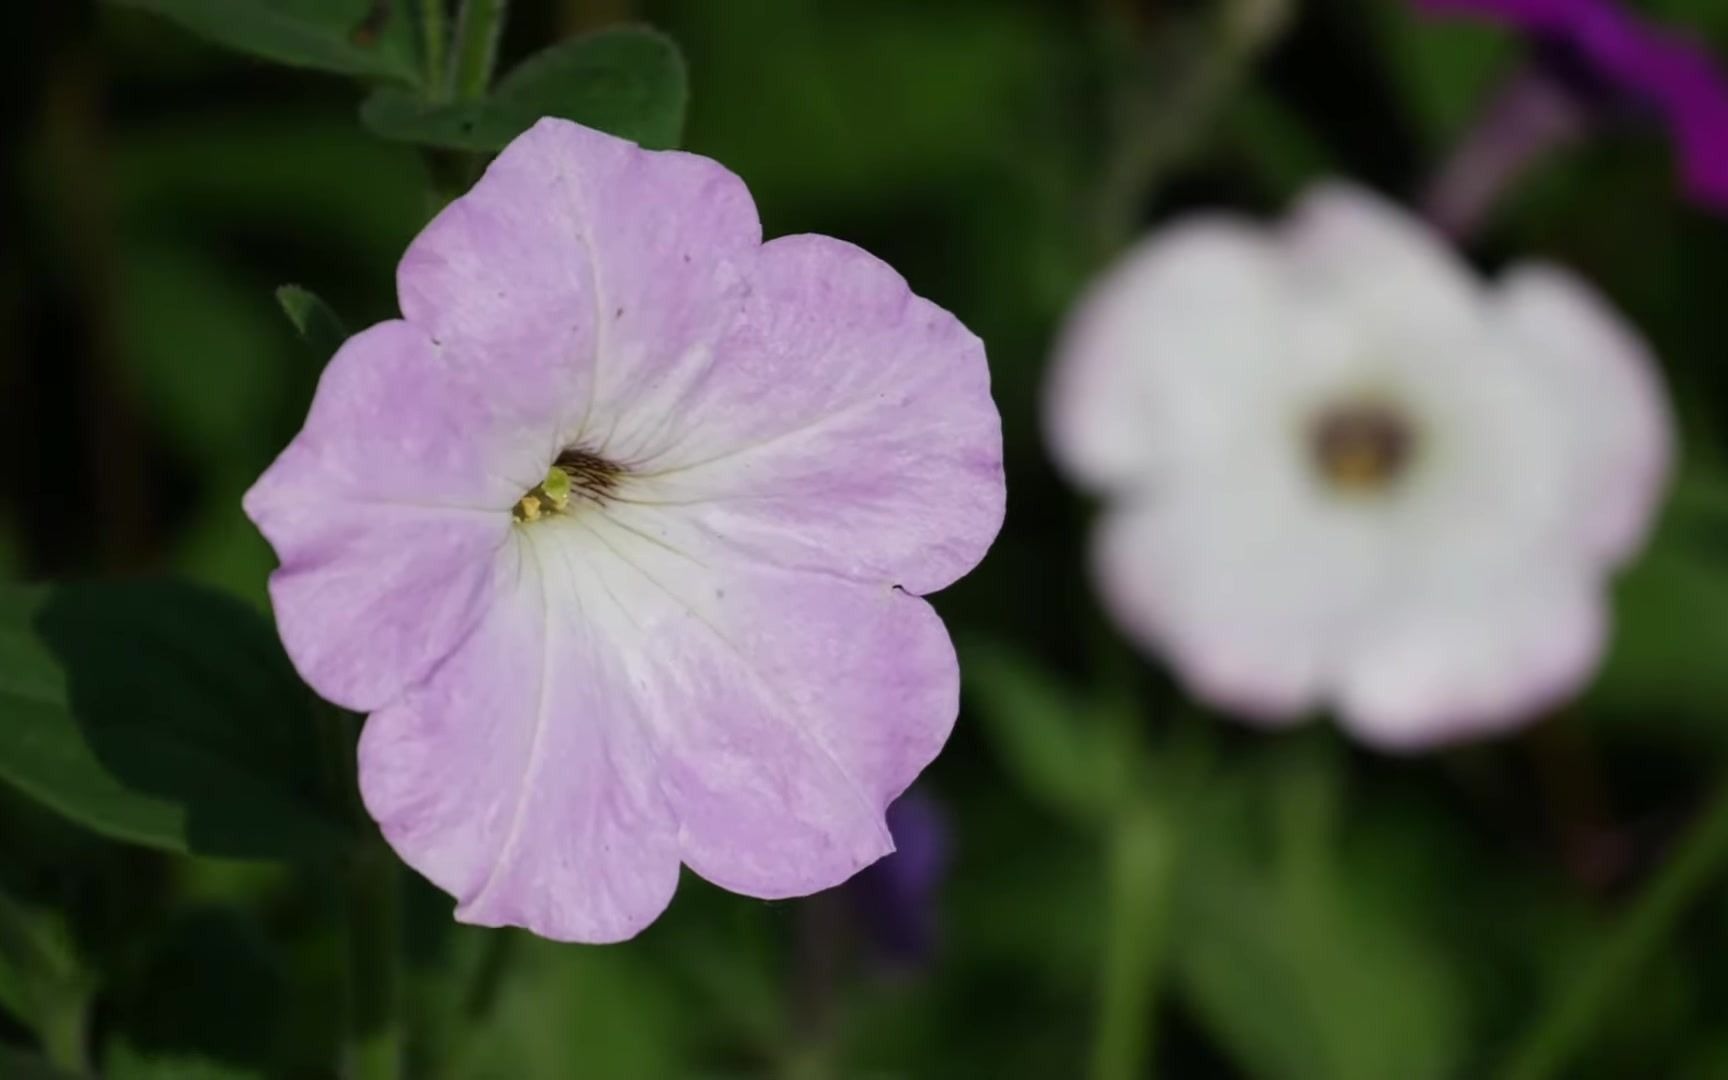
(791, 708)
(1251, 589)
(1600, 376)
(632, 702)
(842, 425)
(1160, 358)
(521, 776)
(585, 268)
(1478, 656)
(1379, 267)
(403, 475)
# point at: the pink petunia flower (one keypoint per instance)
(620, 534)
(1618, 54)
(1340, 472)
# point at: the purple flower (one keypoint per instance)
(620, 534)
(1619, 52)
(896, 898)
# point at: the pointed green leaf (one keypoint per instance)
(629, 82)
(162, 714)
(350, 37)
(319, 327)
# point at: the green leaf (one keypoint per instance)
(319, 326)
(162, 714)
(350, 37)
(629, 82)
(1311, 958)
(1046, 736)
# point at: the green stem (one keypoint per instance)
(374, 1013)
(478, 29)
(55, 994)
(1165, 101)
(63, 1027)
(368, 884)
(433, 34)
(1139, 900)
(1576, 1012)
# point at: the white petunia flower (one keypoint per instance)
(1341, 472)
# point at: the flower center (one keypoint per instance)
(576, 474)
(1361, 447)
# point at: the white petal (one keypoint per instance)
(1252, 588)
(1604, 381)
(1472, 659)
(1162, 357)
(1378, 268)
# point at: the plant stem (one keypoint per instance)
(1165, 101)
(478, 29)
(433, 39)
(374, 1015)
(63, 1027)
(56, 995)
(1141, 851)
(1574, 1014)
(368, 884)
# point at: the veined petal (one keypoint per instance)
(628, 703)
(521, 777)
(790, 708)
(386, 513)
(587, 270)
(842, 424)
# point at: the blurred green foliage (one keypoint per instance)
(1333, 914)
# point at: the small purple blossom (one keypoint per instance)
(896, 898)
(1620, 55)
(620, 533)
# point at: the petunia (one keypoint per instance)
(1341, 472)
(620, 536)
(1599, 53)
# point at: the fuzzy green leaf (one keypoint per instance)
(162, 714)
(350, 37)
